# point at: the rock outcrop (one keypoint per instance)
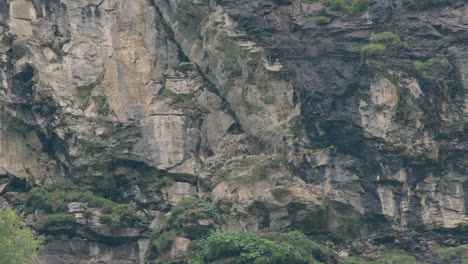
(266, 108)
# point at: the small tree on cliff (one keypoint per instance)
(17, 244)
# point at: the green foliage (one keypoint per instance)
(168, 92)
(186, 212)
(321, 20)
(55, 199)
(449, 253)
(421, 4)
(382, 256)
(397, 257)
(381, 42)
(394, 256)
(243, 247)
(372, 50)
(185, 67)
(353, 9)
(182, 220)
(305, 246)
(56, 224)
(390, 39)
(250, 247)
(163, 242)
(17, 244)
(166, 182)
(423, 66)
(462, 227)
(88, 213)
(356, 260)
(308, 1)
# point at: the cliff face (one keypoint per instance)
(266, 108)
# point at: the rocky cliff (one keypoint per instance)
(344, 120)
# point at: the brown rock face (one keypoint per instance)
(266, 108)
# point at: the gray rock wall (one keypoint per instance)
(252, 103)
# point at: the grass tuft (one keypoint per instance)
(251, 247)
(55, 199)
(422, 66)
(372, 50)
(322, 20)
(353, 9)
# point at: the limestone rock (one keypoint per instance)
(84, 252)
(180, 190)
(179, 247)
(254, 105)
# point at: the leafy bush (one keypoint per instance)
(163, 242)
(166, 182)
(356, 260)
(182, 220)
(185, 67)
(352, 9)
(188, 212)
(17, 244)
(55, 199)
(388, 38)
(88, 213)
(249, 247)
(449, 253)
(321, 20)
(57, 224)
(421, 4)
(305, 246)
(393, 256)
(397, 257)
(380, 44)
(372, 50)
(122, 215)
(383, 256)
(423, 66)
(308, 1)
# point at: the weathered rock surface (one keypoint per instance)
(81, 252)
(252, 104)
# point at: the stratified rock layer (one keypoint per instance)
(255, 105)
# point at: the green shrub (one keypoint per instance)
(462, 227)
(423, 66)
(321, 20)
(250, 247)
(182, 220)
(55, 199)
(186, 212)
(308, 1)
(421, 4)
(185, 67)
(88, 213)
(60, 223)
(352, 9)
(372, 50)
(449, 253)
(380, 44)
(166, 182)
(398, 258)
(164, 241)
(382, 256)
(356, 260)
(17, 243)
(388, 38)
(168, 92)
(110, 220)
(393, 256)
(305, 246)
